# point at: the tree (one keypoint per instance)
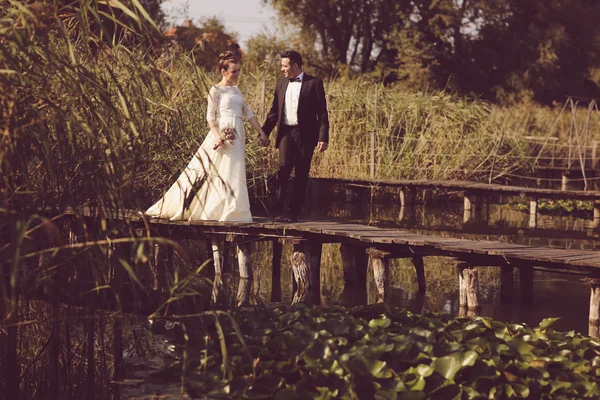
(206, 41)
(351, 32)
(503, 50)
(539, 50)
(264, 48)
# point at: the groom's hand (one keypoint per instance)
(264, 141)
(322, 146)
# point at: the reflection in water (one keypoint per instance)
(555, 295)
(66, 352)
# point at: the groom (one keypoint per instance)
(300, 113)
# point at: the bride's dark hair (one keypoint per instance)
(226, 58)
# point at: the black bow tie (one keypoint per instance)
(296, 79)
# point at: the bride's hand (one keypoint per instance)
(263, 140)
(218, 143)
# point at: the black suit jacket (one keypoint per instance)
(313, 120)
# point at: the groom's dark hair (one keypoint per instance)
(293, 55)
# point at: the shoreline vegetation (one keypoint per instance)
(90, 123)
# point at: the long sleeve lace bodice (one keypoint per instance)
(227, 101)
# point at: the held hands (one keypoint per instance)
(263, 140)
(322, 146)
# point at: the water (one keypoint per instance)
(499, 218)
(53, 344)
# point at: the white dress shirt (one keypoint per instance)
(292, 94)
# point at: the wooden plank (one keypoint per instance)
(557, 259)
(374, 234)
(475, 186)
(581, 257)
(586, 263)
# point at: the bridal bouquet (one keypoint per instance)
(227, 135)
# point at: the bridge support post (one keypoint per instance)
(218, 248)
(380, 263)
(468, 283)
(506, 283)
(594, 158)
(244, 253)
(406, 196)
(276, 271)
(306, 266)
(163, 257)
(526, 283)
(355, 265)
(533, 203)
(564, 182)
(594, 317)
(468, 206)
(420, 270)
(243, 293)
(596, 213)
(220, 260)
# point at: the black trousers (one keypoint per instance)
(295, 155)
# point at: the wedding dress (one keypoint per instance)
(213, 185)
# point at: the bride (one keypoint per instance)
(213, 185)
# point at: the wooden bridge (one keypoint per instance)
(365, 246)
(475, 194)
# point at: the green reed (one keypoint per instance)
(93, 120)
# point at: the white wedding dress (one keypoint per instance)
(213, 185)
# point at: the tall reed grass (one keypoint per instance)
(94, 120)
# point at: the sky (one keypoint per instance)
(244, 17)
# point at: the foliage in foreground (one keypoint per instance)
(375, 352)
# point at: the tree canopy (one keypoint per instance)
(502, 50)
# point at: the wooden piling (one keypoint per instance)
(313, 192)
(243, 292)
(467, 207)
(306, 266)
(506, 283)
(596, 210)
(468, 202)
(301, 275)
(276, 271)
(218, 294)
(401, 213)
(420, 270)
(244, 249)
(406, 196)
(533, 203)
(526, 283)
(350, 260)
(218, 248)
(564, 182)
(315, 253)
(163, 257)
(594, 158)
(594, 316)
(379, 262)
(468, 278)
